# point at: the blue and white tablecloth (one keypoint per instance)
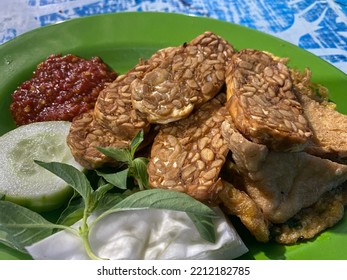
(315, 25)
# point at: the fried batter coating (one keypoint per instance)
(238, 203)
(188, 155)
(309, 222)
(262, 101)
(281, 184)
(258, 193)
(182, 78)
(306, 224)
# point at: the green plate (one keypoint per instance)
(121, 40)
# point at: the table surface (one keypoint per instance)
(317, 26)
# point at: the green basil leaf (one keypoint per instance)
(139, 170)
(135, 143)
(108, 201)
(205, 227)
(118, 179)
(73, 212)
(102, 190)
(6, 239)
(97, 195)
(162, 199)
(72, 217)
(71, 175)
(121, 155)
(166, 199)
(22, 226)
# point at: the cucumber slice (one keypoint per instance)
(24, 182)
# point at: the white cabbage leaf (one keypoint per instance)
(146, 234)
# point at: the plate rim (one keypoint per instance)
(160, 13)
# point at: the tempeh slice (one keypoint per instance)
(188, 155)
(113, 109)
(114, 122)
(86, 135)
(182, 78)
(329, 129)
(263, 103)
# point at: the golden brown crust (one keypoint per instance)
(238, 203)
(182, 78)
(309, 222)
(188, 155)
(266, 123)
(262, 101)
(281, 183)
(329, 129)
(86, 135)
(114, 110)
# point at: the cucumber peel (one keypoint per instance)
(24, 182)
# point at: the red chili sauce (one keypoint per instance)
(61, 88)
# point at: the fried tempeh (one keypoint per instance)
(112, 123)
(329, 129)
(202, 62)
(113, 109)
(274, 130)
(188, 155)
(182, 78)
(86, 135)
(262, 101)
(328, 126)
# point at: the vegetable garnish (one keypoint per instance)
(136, 166)
(24, 227)
(150, 234)
(24, 182)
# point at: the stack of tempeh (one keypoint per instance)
(267, 150)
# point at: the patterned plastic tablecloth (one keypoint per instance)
(315, 25)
